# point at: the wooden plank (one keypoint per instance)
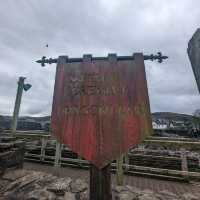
(177, 144)
(100, 183)
(184, 164)
(119, 170)
(171, 138)
(57, 154)
(4, 145)
(44, 143)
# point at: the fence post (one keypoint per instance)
(199, 160)
(126, 159)
(17, 104)
(43, 146)
(184, 164)
(119, 170)
(79, 158)
(57, 154)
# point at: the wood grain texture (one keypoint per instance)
(101, 108)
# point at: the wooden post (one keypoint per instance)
(17, 104)
(119, 170)
(199, 160)
(57, 154)
(79, 161)
(126, 160)
(184, 165)
(100, 183)
(43, 146)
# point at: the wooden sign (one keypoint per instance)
(101, 107)
(193, 51)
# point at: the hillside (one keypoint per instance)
(155, 116)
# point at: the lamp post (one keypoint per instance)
(21, 87)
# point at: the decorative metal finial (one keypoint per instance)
(158, 57)
(151, 57)
(44, 61)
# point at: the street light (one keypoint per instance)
(27, 87)
(21, 86)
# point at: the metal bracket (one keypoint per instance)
(151, 57)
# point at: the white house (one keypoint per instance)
(159, 125)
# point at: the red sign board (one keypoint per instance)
(101, 106)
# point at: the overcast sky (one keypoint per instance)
(77, 27)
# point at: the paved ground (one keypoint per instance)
(140, 182)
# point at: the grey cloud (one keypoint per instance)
(97, 27)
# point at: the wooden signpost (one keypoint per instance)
(100, 110)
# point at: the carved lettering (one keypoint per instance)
(94, 109)
(91, 85)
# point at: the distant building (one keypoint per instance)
(159, 124)
(177, 125)
(169, 124)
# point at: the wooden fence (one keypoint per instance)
(59, 155)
